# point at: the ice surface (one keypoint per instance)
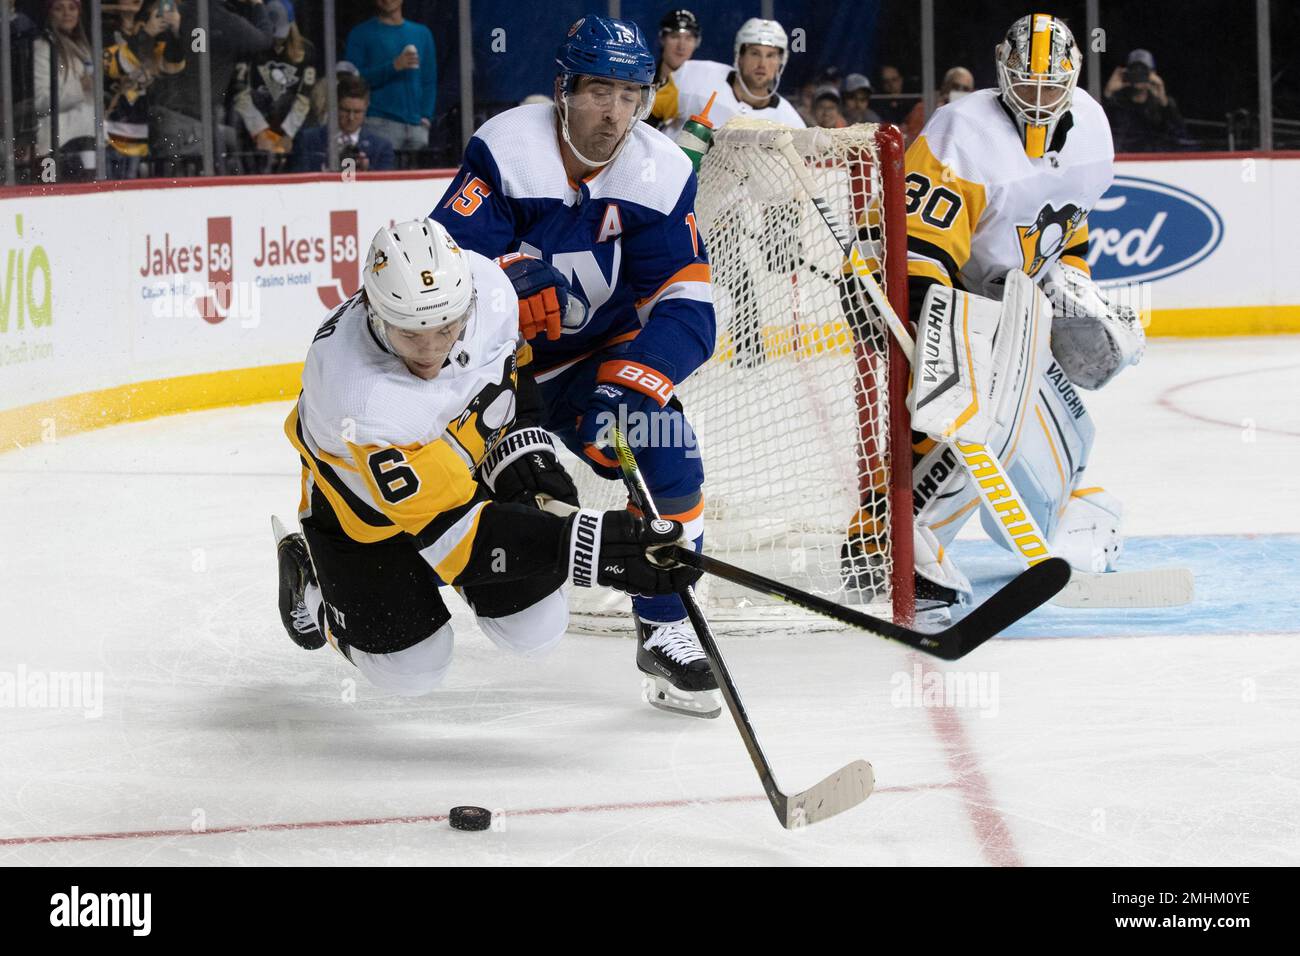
(142, 554)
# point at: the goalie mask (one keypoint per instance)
(1038, 67)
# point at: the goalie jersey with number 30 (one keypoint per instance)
(978, 205)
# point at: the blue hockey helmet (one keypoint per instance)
(602, 46)
(607, 49)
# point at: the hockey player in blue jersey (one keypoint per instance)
(593, 212)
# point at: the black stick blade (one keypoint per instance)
(1024, 593)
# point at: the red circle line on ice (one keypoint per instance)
(1166, 399)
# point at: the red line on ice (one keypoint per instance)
(995, 839)
(1166, 400)
(423, 818)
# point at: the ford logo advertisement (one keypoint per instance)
(1143, 230)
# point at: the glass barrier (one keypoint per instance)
(252, 92)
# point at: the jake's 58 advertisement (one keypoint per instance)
(105, 288)
(113, 287)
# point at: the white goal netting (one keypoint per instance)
(792, 411)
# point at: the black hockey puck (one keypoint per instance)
(470, 818)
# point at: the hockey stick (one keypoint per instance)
(1028, 590)
(1162, 587)
(842, 790)
(1022, 594)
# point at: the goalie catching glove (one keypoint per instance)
(612, 548)
(1092, 340)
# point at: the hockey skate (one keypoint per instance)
(295, 574)
(678, 678)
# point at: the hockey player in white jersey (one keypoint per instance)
(748, 86)
(999, 185)
(422, 456)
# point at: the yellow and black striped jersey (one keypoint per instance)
(393, 453)
(978, 206)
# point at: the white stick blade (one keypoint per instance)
(1159, 587)
(842, 790)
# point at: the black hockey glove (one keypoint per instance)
(523, 465)
(609, 548)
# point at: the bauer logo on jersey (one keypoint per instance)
(1048, 235)
(1144, 230)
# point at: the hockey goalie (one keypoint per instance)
(1010, 326)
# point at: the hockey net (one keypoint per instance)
(800, 414)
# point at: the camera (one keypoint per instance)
(1137, 73)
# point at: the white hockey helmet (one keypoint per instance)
(1038, 67)
(759, 32)
(416, 277)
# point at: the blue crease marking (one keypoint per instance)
(1245, 584)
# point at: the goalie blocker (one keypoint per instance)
(995, 374)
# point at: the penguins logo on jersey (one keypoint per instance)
(488, 416)
(1048, 235)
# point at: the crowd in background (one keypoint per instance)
(267, 85)
(269, 92)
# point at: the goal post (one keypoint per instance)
(800, 414)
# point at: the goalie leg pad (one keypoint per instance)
(1050, 452)
(933, 564)
(977, 360)
(1090, 535)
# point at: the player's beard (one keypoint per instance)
(601, 142)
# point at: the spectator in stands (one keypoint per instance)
(803, 102)
(272, 95)
(857, 100)
(239, 30)
(679, 36)
(832, 77)
(146, 45)
(1143, 117)
(70, 55)
(826, 108)
(320, 93)
(957, 82)
(398, 60)
(892, 107)
(369, 150)
(21, 26)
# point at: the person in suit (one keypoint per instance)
(367, 149)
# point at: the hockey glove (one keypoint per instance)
(523, 465)
(546, 301)
(627, 393)
(610, 548)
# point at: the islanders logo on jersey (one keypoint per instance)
(1048, 235)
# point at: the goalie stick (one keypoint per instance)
(842, 790)
(1161, 587)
